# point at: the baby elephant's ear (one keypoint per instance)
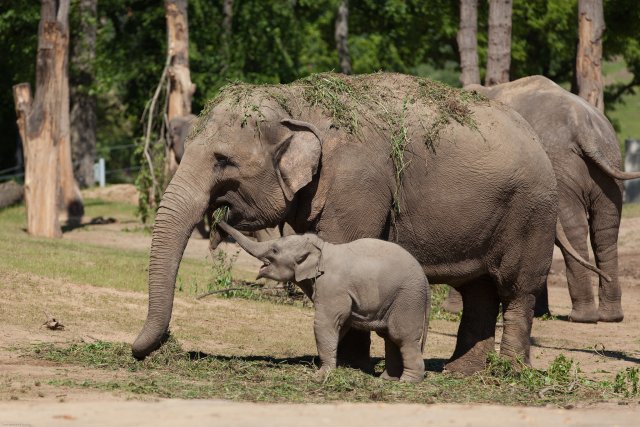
(308, 263)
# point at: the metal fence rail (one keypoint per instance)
(100, 168)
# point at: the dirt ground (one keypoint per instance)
(91, 313)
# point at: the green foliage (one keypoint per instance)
(626, 382)
(224, 285)
(174, 372)
(279, 41)
(77, 262)
(438, 295)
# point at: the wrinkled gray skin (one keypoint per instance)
(478, 211)
(179, 128)
(584, 151)
(367, 284)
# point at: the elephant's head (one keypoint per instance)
(252, 162)
(291, 258)
(179, 129)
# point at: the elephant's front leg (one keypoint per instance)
(329, 322)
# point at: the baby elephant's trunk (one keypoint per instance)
(257, 249)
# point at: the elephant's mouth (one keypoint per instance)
(265, 265)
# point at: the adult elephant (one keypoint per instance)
(584, 151)
(457, 180)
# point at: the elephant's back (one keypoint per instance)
(458, 196)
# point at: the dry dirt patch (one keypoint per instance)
(238, 327)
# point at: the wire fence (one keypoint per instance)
(126, 172)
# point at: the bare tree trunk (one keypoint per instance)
(41, 121)
(342, 35)
(468, 42)
(227, 21)
(69, 199)
(83, 103)
(227, 33)
(499, 52)
(181, 89)
(591, 27)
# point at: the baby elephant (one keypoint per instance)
(368, 284)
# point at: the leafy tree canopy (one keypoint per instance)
(275, 41)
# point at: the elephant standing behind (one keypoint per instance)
(459, 181)
(584, 151)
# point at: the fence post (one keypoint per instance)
(632, 164)
(99, 172)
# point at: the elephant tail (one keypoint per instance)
(563, 243)
(588, 142)
(427, 312)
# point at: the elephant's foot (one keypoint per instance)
(611, 313)
(408, 378)
(584, 314)
(453, 302)
(385, 376)
(473, 360)
(322, 374)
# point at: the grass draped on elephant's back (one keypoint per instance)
(380, 100)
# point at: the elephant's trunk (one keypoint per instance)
(183, 206)
(256, 249)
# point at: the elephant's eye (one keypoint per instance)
(223, 161)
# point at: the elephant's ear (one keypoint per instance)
(308, 263)
(298, 157)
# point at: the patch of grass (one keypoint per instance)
(80, 262)
(438, 295)
(450, 104)
(631, 210)
(626, 382)
(224, 285)
(175, 373)
(338, 97)
(123, 212)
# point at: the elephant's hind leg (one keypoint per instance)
(604, 224)
(476, 334)
(392, 360)
(518, 318)
(574, 221)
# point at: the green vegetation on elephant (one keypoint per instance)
(352, 102)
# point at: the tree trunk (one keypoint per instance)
(83, 103)
(589, 58)
(181, 89)
(227, 21)
(499, 52)
(342, 35)
(468, 42)
(40, 122)
(69, 199)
